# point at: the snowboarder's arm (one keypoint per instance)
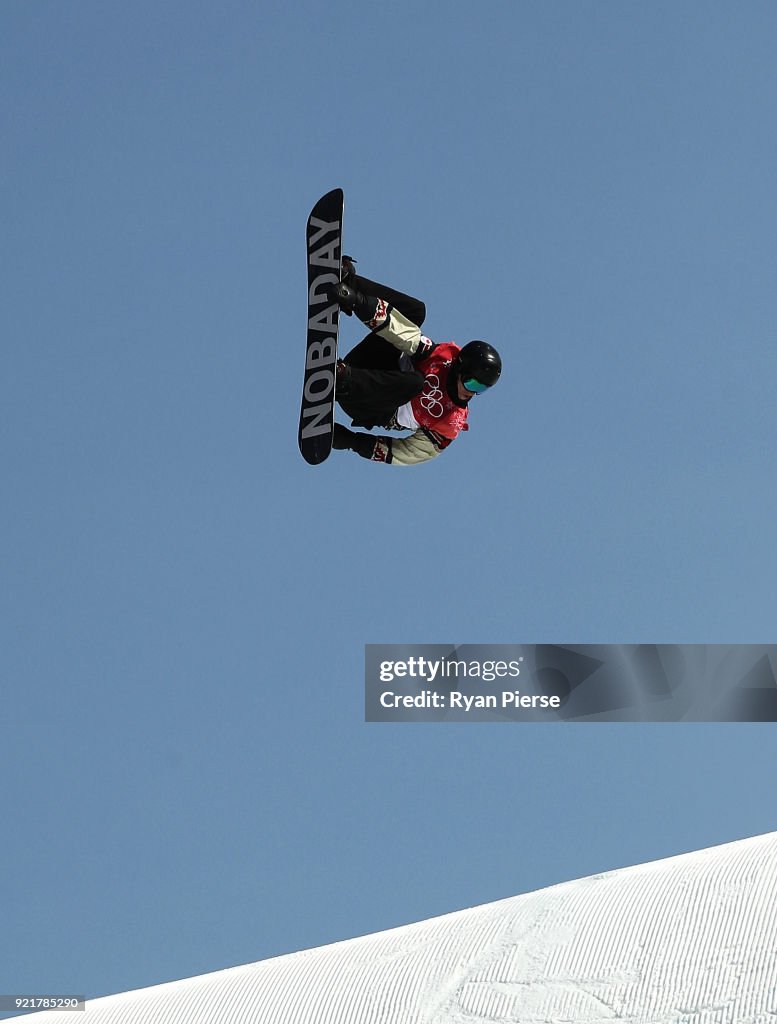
(403, 334)
(385, 321)
(420, 446)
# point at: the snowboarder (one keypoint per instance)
(399, 379)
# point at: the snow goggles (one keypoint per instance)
(475, 386)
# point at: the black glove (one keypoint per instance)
(342, 437)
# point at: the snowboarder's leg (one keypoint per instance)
(370, 384)
(372, 396)
(376, 353)
(413, 309)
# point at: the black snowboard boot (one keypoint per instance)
(348, 269)
(350, 300)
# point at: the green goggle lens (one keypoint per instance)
(474, 385)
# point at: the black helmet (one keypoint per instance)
(478, 363)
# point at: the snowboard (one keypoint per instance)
(324, 246)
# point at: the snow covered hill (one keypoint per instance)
(689, 940)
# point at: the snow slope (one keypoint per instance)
(689, 940)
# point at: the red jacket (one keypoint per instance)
(434, 409)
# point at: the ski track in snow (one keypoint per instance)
(688, 940)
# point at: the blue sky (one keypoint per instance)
(188, 782)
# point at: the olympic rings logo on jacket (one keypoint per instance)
(431, 396)
(433, 408)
